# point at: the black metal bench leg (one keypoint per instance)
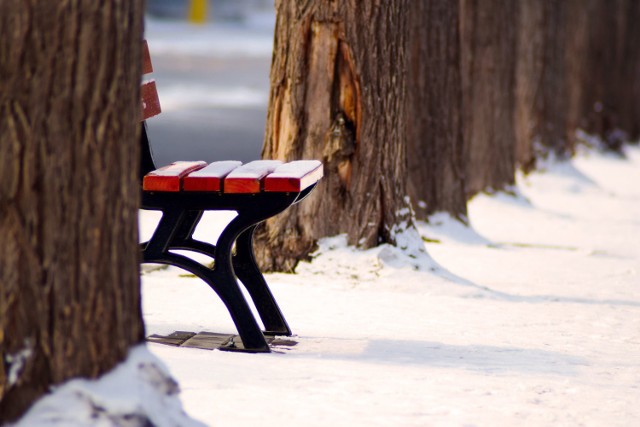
(224, 274)
(246, 269)
(163, 235)
(174, 227)
(187, 225)
(230, 294)
(175, 232)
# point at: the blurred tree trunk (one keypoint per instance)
(629, 77)
(529, 69)
(338, 94)
(488, 38)
(612, 90)
(542, 90)
(434, 99)
(578, 29)
(69, 104)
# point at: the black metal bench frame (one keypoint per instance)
(181, 212)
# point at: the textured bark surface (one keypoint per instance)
(628, 82)
(434, 112)
(488, 38)
(578, 30)
(529, 68)
(337, 94)
(542, 92)
(612, 89)
(69, 284)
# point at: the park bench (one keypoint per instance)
(184, 190)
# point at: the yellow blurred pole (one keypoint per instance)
(198, 11)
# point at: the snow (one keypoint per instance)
(296, 169)
(16, 363)
(216, 169)
(137, 393)
(529, 316)
(256, 169)
(179, 168)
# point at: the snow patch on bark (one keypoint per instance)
(17, 361)
(138, 393)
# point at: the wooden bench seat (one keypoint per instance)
(235, 178)
(184, 190)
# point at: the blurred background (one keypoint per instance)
(211, 63)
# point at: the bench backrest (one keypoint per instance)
(251, 178)
(150, 106)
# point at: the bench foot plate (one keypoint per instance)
(216, 341)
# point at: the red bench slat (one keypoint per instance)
(168, 178)
(148, 92)
(147, 67)
(294, 176)
(210, 177)
(248, 178)
(150, 100)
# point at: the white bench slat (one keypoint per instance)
(248, 177)
(210, 177)
(294, 176)
(168, 178)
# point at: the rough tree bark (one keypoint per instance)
(488, 39)
(542, 92)
(434, 104)
(69, 283)
(337, 94)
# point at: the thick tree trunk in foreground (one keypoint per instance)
(488, 35)
(337, 94)
(434, 133)
(69, 284)
(542, 99)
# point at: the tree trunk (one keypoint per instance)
(529, 68)
(69, 106)
(338, 94)
(578, 29)
(434, 133)
(612, 98)
(488, 38)
(627, 77)
(542, 100)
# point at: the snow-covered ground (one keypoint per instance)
(532, 317)
(529, 317)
